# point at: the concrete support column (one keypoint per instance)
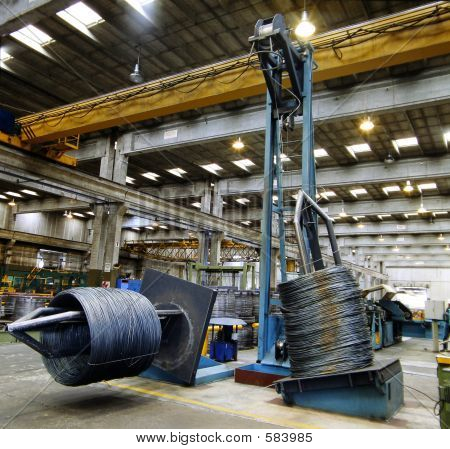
(202, 248)
(216, 242)
(114, 163)
(112, 246)
(106, 230)
(206, 198)
(106, 146)
(124, 144)
(217, 201)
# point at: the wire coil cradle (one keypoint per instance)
(119, 337)
(325, 323)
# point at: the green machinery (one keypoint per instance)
(39, 280)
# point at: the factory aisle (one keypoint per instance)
(142, 403)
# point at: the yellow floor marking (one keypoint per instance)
(218, 408)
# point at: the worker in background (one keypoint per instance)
(446, 327)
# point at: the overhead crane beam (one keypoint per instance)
(234, 79)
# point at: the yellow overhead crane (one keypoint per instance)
(400, 38)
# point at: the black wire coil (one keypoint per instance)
(121, 335)
(325, 322)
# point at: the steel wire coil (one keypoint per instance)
(120, 337)
(24, 304)
(325, 323)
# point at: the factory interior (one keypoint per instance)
(224, 214)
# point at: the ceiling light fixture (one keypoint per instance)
(421, 209)
(342, 213)
(179, 172)
(12, 203)
(440, 237)
(244, 163)
(447, 248)
(396, 249)
(151, 175)
(81, 17)
(17, 195)
(129, 180)
(408, 187)
(389, 159)
(389, 189)
(238, 144)
(136, 76)
(381, 238)
(305, 28)
(212, 168)
(29, 192)
(320, 152)
(69, 215)
(366, 125)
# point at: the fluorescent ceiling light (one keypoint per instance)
(320, 152)
(295, 196)
(244, 164)
(419, 262)
(406, 142)
(90, 213)
(177, 172)
(163, 227)
(81, 17)
(390, 189)
(199, 205)
(3, 197)
(17, 195)
(138, 5)
(151, 175)
(274, 198)
(440, 213)
(283, 157)
(4, 55)
(212, 168)
(427, 186)
(243, 201)
(77, 214)
(32, 37)
(412, 214)
(381, 216)
(129, 180)
(29, 192)
(328, 194)
(360, 191)
(246, 222)
(149, 227)
(358, 148)
(447, 137)
(136, 229)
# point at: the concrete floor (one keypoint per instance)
(30, 399)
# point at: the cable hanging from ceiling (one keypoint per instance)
(351, 38)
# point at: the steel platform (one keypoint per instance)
(372, 392)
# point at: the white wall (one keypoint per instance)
(436, 279)
(52, 225)
(3, 215)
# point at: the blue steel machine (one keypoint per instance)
(373, 392)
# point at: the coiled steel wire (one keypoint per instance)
(120, 337)
(325, 323)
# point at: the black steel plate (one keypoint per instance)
(183, 335)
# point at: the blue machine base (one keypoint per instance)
(421, 329)
(370, 393)
(208, 371)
